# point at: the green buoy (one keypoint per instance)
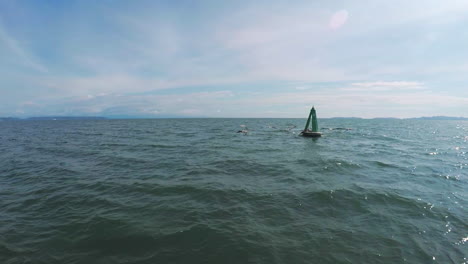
(314, 132)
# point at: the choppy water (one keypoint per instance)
(194, 191)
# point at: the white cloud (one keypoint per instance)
(385, 86)
(390, 84)
(225, 103)
(300, 45)
(338, 19)
(118, 84)
(190, 111)
(406, 103)
(301, 88)
(196, 103)
(24, 57)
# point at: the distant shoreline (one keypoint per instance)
(52, 118)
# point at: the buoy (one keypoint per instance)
(314, 131)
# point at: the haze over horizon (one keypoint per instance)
(234, 58)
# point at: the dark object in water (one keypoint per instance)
(337, 128)
(310, 134)
(314, 132)
(243, 130)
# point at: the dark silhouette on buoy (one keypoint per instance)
(314, 131)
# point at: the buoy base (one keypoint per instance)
(310, 134)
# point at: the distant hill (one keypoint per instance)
(385, 118)
(143, 116)
(339, 117)
(39, 118)
(439, 118)
(65, 118)
(178, 116)
(412, 118)
(8, 118)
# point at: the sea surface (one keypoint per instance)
(195, 191)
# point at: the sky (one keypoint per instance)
(259, 58)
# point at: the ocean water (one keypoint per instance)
(195, 191)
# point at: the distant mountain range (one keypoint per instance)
(411, 118)
(55, 118)
(174, 116)
(87, 117)
(441, 118)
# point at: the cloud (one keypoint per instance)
(122, 83)
(301, 88)
(389, 84)
(190, 111)
(338, 19)
(364, 104)
(385, 86)
(120, 57)
(206, 103)
(24, 57)
(226, 103)
(263, 26)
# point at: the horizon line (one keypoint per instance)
(210, 117)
